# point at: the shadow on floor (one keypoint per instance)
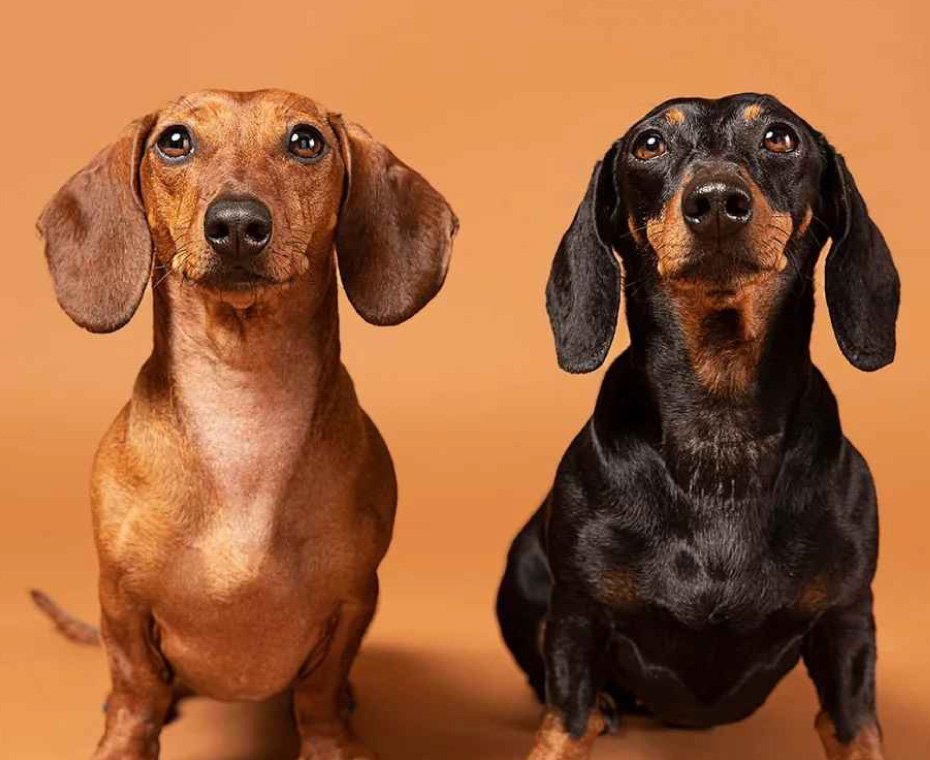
(433, 705)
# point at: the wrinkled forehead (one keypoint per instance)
(716, 122)
(225, 112)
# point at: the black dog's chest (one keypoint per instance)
(702, 676)
(722, 573)
(704, 566)
(713, 625)
(708, 614)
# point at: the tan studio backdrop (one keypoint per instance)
(504, 106)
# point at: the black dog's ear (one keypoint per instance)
(97, 240)
(862, 286)
(395, 231)
(583, 293)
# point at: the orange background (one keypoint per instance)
(504, 106)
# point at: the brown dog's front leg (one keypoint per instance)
(840, 656)
(321, 694)
(141, 695)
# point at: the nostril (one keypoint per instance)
(738, 206)
(217, 230)
(257, 232)
(697, 207)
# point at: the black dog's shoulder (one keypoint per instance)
(610, 458)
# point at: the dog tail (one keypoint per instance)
(74, 630)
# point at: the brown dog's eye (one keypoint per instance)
(175, 142)
(306, 142)
(649, 145)
(780, 138)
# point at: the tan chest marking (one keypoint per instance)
(814, 596)
(618, 588)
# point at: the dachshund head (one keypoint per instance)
(240, 194)
(718, 207)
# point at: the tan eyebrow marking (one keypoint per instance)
(674, 116)
(752, 112)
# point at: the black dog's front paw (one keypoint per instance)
(610, 711)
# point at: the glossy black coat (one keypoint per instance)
(694, 547)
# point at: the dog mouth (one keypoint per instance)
(236, 278)
(239, 286)
(722, 268)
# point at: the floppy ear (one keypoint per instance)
(97, 239)
(862, 286)
(583, 293)
(394, 236)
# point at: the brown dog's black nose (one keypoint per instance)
(716, 207)
(237, 227)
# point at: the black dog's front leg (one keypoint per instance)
(574, 644)
(840, 656)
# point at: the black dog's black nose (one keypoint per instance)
(237, 227)
(718, 206)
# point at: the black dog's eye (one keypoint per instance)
(306, 142)
(649, 145)
(175, 142)
(780, 138)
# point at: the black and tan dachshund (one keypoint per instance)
(710, 525)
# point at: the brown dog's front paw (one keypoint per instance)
(335, 748)
(121, 753)
(118, 746)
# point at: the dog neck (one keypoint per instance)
(288, 337)
(247, 386)
(725, 374)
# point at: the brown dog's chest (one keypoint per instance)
(240, 601)
(247, 433)
(243, 532)
(237, 621)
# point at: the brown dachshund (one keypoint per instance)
(242, 500)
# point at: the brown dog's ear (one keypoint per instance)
(583, 293)
(862, 286)
(394, 236)
(97, 239)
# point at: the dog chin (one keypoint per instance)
(241, 291)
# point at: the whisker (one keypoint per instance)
(633, 231)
